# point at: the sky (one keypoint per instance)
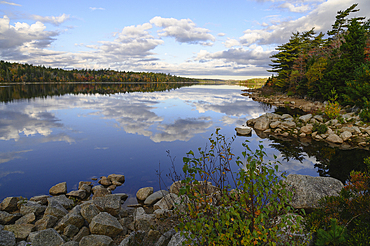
(194, 38)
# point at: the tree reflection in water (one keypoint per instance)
(330, 161)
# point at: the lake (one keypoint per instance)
(51, 133)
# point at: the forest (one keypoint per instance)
(331, 67)
(44, 90)
(16, 72)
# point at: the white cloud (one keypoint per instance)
(133, 42)
(23, 34)
(55, 20)
(12, 124)
(221, 34)
(95, 8)
(255, 55)
(184, 30)
(293, 8)
(231, 43)
(182, 129)
(322, 17)
(10, 3)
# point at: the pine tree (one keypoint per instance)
(284, 60)
(352, 56)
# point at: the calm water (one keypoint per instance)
(51, 134)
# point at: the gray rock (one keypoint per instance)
(89, 212)
(32, 207)
(166, 202)
(286, 232)
(86, 188)
(105, 181)
(287, 125)
(305, 118)
(97, 187)
(334, 122)
(334, 138)
(163, 213)
(49, 237)
(143, 193)
(9, 204)
(70, 231)
(123, 196)
(27, 219)
(307, 190)
(152, 237)
(80, 194)
(273, 116)
(143, 221)
(62, 200)
(32, 236)
(84, 231)
(96, 240)
(262, 123)
(23, 243)
(110, 203)
(101, 192)
(58, 189)
(116, 177)
(70, 243)
(165, 238)
(177, 240)
(42, 199)
(275, 124)
(156, 196)
(55, 209)
(105, 224)
(175, 187)
(7, 218)
(345, 135)
(48, 221)
(251, 122)
(7, 238)
(134, 239)
(20, 232)
(286, 116)
(72, 218)
(81, 183)
(243, 130)
(307, 129)
(318, 118)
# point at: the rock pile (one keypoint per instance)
(349, 133)
(77, 218)
(67, 220)
(283, 100)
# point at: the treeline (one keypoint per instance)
(253, 83)
(336, 67)
(16, 72)
(20, 91)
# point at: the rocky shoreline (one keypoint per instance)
(94, 216)
(346, 132)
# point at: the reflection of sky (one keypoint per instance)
(74, 137)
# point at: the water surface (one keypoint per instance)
(56, 133)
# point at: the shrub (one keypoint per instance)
(335, 235)
(350, 210)
(365, 112)
(255, 212)
(319, 128)
(332, 109)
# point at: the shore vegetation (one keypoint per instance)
(314, 65)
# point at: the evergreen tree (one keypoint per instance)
(284, 60)
(352, 56)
